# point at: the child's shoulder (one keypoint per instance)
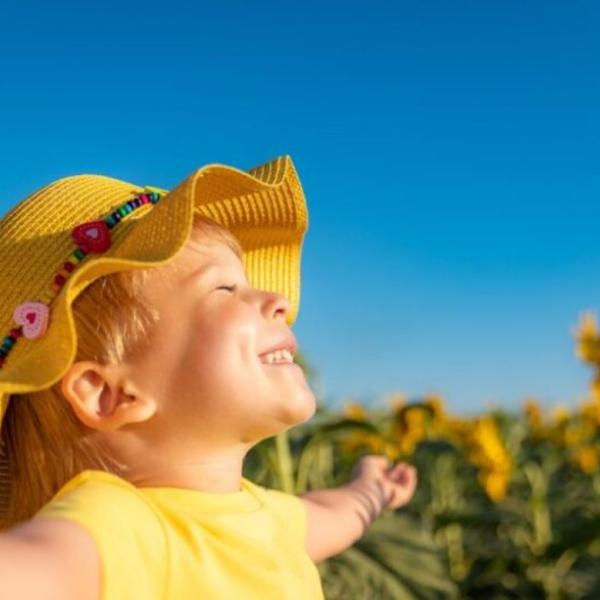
(94, 490)
(121, 522)
(97, 476)
(288, 508)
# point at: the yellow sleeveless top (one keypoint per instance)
(172, 543)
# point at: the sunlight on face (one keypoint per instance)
(206, 371)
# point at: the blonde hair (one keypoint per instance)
(42, 442)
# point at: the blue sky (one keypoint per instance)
(448, 151)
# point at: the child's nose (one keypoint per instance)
(276, 305)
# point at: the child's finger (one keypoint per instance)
(402, 473)
(399, 468)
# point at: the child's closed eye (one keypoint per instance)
(231, 288)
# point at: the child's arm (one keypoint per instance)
(51, 559)
(339, 517)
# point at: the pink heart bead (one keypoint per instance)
(34, 318)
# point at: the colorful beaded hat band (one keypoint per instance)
(32, 317)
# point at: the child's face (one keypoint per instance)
(203, 369)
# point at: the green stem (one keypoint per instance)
(285, 466)
(456, 554)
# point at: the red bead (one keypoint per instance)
(93, 236)
(68, 266)
(16, 333)
(144, 198)
(59, 280)
(2, 361)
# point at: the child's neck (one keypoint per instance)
(219, 472)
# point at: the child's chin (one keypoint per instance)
(300, 409)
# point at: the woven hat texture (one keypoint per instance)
(264, 208)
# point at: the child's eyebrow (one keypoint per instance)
(198, 273)
(203, 270)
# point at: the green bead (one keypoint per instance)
(78, 254)
(122, 211)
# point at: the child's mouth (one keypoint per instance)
(281, 359)
(278, 357)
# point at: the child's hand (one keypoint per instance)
(397, 483)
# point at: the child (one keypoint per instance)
(147, 347)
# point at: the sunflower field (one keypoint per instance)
(507, 504)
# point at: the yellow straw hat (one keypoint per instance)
(65, 235)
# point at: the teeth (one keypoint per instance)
(278, 356)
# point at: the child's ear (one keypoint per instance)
(103, 398)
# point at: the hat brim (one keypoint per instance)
(264, 208)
